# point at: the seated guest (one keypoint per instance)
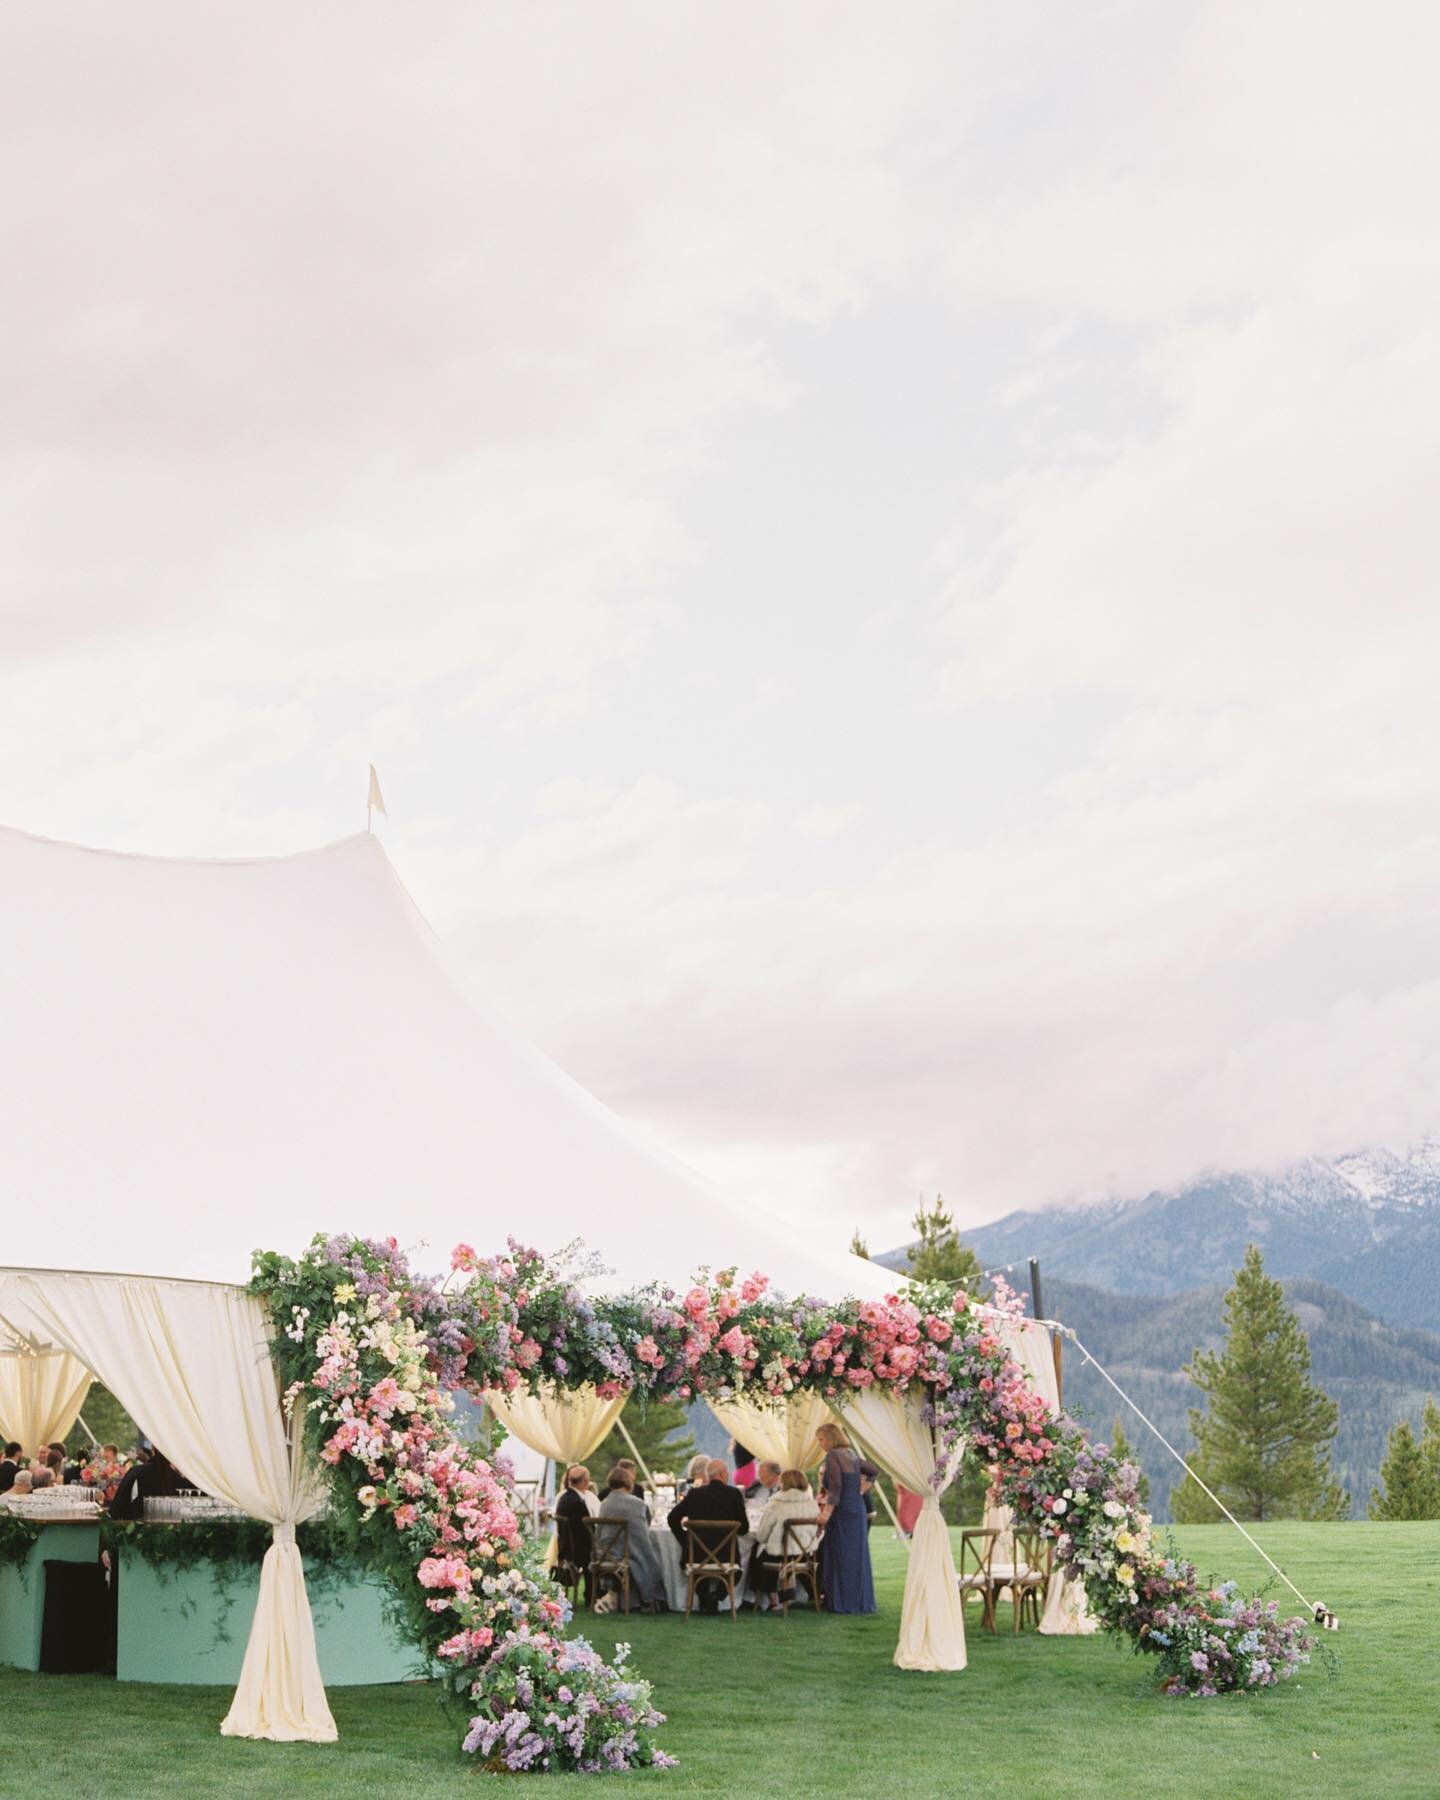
(55, 1462)
(43, 1477)
(572, 1538)
(647, 1582)
(155, 1479)
(713, 1499)
(791, 1504)
(766, 1482)
(10, 1466)
(23, 1483)
(695, 1470)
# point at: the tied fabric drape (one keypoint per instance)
(191, 1364)
(564, 1424)
(41, 1393)
(890, 1430)
(781, 1430)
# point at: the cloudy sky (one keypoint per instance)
(886, 556)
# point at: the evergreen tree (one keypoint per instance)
(1120, 1444)
(1263, 1443)
(1430, 1442)
(661, 1431)
(107, 1418)
(938, 1254)
(1410, 1490)
(858, 1246)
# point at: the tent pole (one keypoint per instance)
(80, 1421)
(625, 1433)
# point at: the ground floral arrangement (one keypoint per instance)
(373, 1352)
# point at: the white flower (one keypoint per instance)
(1112, 1509)
(1059, 1506)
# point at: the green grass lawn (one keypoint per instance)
(814, 1706)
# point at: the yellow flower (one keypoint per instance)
(1123, 1541)
(344, 1291)
(1126, 1574)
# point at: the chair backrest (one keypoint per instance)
(800, 1540)
(712, 1542)
(1032, 1553)
(977, 1550)
(610, 1542)
(572, 1539)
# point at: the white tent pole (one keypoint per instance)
(80, 1420)
(625, 1433)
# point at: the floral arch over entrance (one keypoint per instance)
(368, 1352)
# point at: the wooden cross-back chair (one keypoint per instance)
(977, 1556)
(1030, 1576)
(610, 1557)
(713, 1555)
(799, 1560)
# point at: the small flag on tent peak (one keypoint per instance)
(375, 800)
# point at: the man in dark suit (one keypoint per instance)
(10, 1466)
(714, 1498)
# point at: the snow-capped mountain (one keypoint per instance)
(1367, 1222)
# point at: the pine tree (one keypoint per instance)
(1263, 1443)
(1410, 1489)
(938, 1254)
(662, 1437)
(858, 1246)
(1120, 1444)
(1430, 1442)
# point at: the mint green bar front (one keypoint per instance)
(22, 1589)
(181, 1626)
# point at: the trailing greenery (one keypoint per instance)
(18, 1537)
(229, 1546)
(1263, 1442)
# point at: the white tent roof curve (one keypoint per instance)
(204, 1058)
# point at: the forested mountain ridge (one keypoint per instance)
(1377, 1373)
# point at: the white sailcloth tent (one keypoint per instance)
(200, 1059)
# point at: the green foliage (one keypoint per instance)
(107, 1418)
(18, 1537)
(1263, 1443)
(938, 1254)
(858, 1246)
(661, 1430)
(1410, 1478)
(228, 1546)
(1121, 1445)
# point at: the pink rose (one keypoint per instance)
(696, 1303)
(734, 1341)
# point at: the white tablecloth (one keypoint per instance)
(667, 1546)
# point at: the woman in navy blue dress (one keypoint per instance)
(845, 1548)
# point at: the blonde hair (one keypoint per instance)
(793, 1481)
(831, 1437)
(699, 1467)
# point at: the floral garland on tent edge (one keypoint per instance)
(373, 1349)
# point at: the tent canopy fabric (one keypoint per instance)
(203, 1058)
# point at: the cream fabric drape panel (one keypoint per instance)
(565, 1425)
(191, 1364)
(781, 1431)
(41, 1394)
(890, 1430)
